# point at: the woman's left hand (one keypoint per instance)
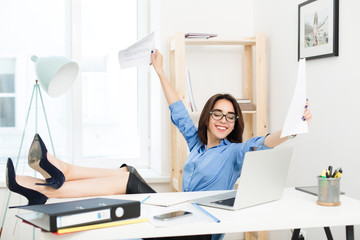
(307, 114)
(157, 61)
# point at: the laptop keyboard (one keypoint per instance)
(227, 202)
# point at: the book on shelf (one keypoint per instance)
(247, 107)
(243, 100)
(189, 92)
(199, 35)
(55, 216)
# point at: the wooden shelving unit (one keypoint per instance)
(254, 88)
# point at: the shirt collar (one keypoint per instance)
(222, 143)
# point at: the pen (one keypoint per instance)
(335, 172)
(206, 212)
(327, 173)
(330, 171)
(145, 199)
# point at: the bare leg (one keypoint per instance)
(73, 172)
(109, 185)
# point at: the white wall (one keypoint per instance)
(332, 86)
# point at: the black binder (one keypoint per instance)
(51, 217)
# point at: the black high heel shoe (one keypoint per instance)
(38, 161)
(133, 171)
(136, 185)
(33, 196)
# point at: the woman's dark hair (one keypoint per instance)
(236, 135)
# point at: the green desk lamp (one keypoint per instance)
(56, 75)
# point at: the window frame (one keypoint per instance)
(10, 95)
(74, 101)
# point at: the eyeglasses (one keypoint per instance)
(218, 115)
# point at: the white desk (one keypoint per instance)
(295, 210)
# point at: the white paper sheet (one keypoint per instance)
(174, 198)
(138, 54)
(293, 123)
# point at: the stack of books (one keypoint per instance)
(200, 35)
(246, 104)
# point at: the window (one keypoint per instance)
(104, 119)
(111, 124)
(24, 33)
(7, 92)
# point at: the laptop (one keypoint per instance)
(262, 180)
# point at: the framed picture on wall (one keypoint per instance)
(318, 29)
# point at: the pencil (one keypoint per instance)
(145, 199)
(206, 212)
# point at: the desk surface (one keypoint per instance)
(294, 210)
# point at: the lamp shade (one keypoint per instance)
(55, 74)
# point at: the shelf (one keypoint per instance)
(219, 42)
(254, 88)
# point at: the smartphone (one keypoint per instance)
(172, 215)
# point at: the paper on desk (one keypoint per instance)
(174, 198)
(293, 123)
(137, 54)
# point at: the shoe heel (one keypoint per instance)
(34, 197)
(51, 182)
(38, 161)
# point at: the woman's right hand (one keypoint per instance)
(157, 62)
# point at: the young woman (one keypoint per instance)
(215, 161)
(216, 147)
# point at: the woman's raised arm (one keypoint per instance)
(157, 62)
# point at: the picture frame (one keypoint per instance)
(318, 29)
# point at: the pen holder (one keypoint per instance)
(328, 191)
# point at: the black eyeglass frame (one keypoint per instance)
(224, 115)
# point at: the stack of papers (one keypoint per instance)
(138, 54)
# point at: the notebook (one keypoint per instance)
(262, 180)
